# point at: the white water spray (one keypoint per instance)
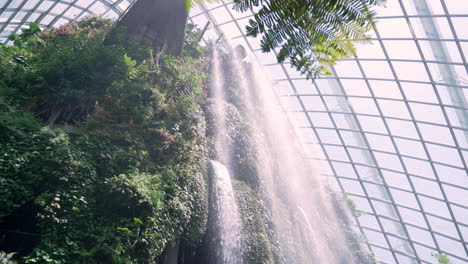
(305, 218)
(227, 238)
(227, 217)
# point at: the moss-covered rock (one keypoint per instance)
(257, 247)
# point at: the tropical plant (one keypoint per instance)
(442, 259)
(119, 174)
(312, 34)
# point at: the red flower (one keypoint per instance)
(62, 31)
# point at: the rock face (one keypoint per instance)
(160, 21)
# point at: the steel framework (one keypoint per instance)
(390, 126)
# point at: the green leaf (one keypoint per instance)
(442, 259)
(137, 221)
(123, 229)
(34, 27)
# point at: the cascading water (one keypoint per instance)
(226, 214)
(307, 225)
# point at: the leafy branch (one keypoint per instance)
(312, 34)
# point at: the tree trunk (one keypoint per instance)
(160, 21)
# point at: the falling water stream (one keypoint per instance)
(226, 216)
(226, 213)
(307, 225)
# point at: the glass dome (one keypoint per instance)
(390, 125)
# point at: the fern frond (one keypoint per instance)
(313, 34)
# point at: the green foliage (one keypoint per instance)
(60, 73)
(193, 36)
(191, 3)
(6, 258)
(257, 249)
(13, 121)
(352, 206)
(105, 140)
(442, 259)
(311, 34)
(27, 34)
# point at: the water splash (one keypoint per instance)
(226, 214)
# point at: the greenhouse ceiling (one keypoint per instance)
(389, 125)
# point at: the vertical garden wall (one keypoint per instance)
(102, 146)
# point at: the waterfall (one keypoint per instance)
(226, 216)
(307, 224)
(303, 211)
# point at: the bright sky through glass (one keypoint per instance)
(390, 127)
(391, 124)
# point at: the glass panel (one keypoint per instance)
(361, 156)
(443, 32)
(460, 27)
(383, 255)
(404, 198)
(313, 103)
(402, 49)
(362, 204)
(413, 71)
(443, 226)
(355, 87)
(410, 148)
(435, 207)
(363, 106)
(421, 236)
(377, 191)
(457, 195)
(377, 69)
(427, 187)
(371, 50)
(414, 217)
(428, 113)
(337, 153)
(304, 87)
(347, 69)
(379, 142)
(342, 120)
(444, 155)
(328, 136)
(344, 169)
(375, 238)
(419, 92)
(320, 119)
(372, 124)
(394, 109)
(393, 28)
(425, 253)
(443, 51)
(388, 161)
(402, 128)
(451, 246)
(385, 89)
(438, 134)
(369, 221)
(352, 186)
(419, 167)
(352, 138)
(398, 180)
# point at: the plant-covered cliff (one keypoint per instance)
(102, 146)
